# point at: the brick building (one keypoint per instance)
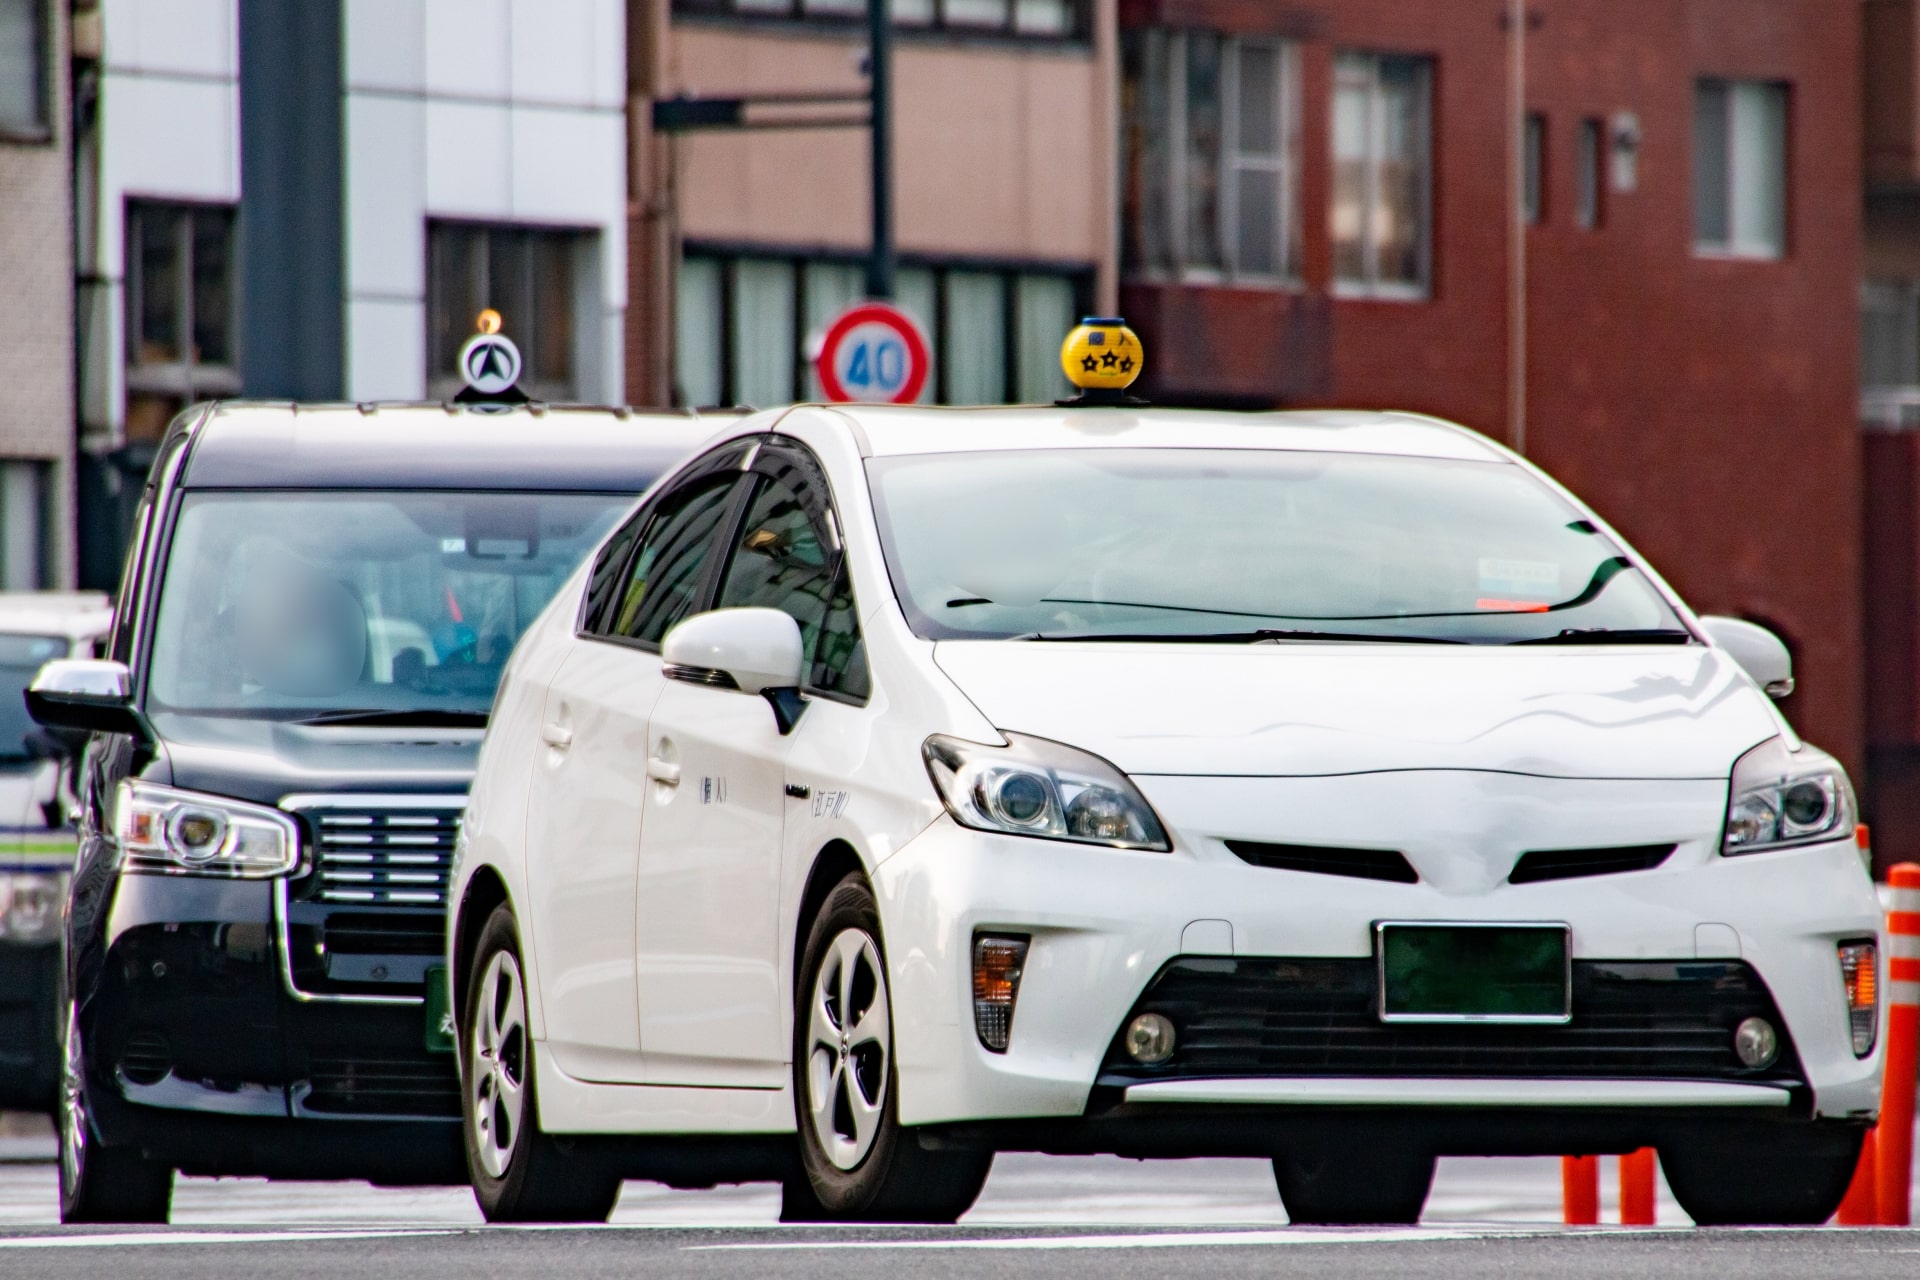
(36, 320)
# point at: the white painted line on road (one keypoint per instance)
(128, 1239)
(1166, 1240)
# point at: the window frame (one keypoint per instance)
(1733, 248)
(1079, 29)
(1371, 287)
(1534, 184)
(187, 377)
(728, 255)
(1590, 174)
(40, 131)
(1166, 263)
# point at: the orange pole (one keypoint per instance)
(1894, 1157)
(1636, 1188)
(1580, 1189)
(1861, 1207)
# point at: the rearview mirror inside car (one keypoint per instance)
(1760, 653)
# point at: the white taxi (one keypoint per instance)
(899, 785)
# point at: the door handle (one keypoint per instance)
(559, 737)
(664, 772)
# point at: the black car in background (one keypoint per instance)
(317, 606)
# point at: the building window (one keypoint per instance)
(1056, 19)
(1533, 185)
(1382, 187)
(25, 104)
(746, 327)
(26, 516)
(1740, 168)
(531, 277)
(180, 311)
(1589, 166)
(1212, 128)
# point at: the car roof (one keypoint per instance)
(906, 429)
(534, 447)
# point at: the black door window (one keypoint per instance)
(669, 567)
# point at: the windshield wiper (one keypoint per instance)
(1613, 635)
(1265, 635)
(410, 717)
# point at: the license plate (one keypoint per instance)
(439, 1002)
(1473, 972)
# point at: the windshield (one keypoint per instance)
(295, 605)
(1250, 545)
(21, 658)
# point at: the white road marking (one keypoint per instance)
(130, 1239)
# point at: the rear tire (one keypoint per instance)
(101, 1184)
(1326, 1184)
(519, 1174)
(857, 1162)
(1763, 1174)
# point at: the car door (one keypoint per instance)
(584, 811)
(711, 1001)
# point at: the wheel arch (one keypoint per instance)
(836, 861)
(485, 891)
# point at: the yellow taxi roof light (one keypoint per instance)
(1102, 355)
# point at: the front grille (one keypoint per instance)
(409, 933)
(1318, 1017)
(383, 1086)
(1359, 864)
(1569, 864)
(398, 857)
(147, 1058)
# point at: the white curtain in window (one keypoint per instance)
(763, 339)
(913, 293)
(976, 338)
(22, 106)
(1045, 315)
(831, 287)
(1042, 17)
(696, 333)
(1759, 169)
(20, 511)
(976, 13)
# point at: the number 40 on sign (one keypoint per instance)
(873, 353)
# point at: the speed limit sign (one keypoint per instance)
(874, 353)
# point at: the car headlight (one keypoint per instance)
(187, 833)
(1036, 787)
(1780, 798)
(31, 903)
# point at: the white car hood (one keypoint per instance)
(1272, 710)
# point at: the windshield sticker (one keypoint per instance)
(1523, 579)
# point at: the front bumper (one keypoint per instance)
(200, 1051)
(1104, 923)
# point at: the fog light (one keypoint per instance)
(1857, 971)
(997, 961)
(1756, 1042)
(1150, 1039)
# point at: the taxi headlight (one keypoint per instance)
(1780, 798)
(187, 833)
(1036, 787)
(31, 905)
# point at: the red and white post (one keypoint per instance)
(1894, 1140)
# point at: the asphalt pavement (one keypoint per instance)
(1053, 1217)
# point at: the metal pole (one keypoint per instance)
(880, 72)
(1517, 226)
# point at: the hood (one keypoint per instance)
(1273, 710)
(262, 760)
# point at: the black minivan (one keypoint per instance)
(317, 606)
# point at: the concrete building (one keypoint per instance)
(314, 198)
(746, 243)
(36, 261)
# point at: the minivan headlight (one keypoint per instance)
(1037, 787)
(188, 833)
(1780, 798)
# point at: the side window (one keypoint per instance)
(608, 566)
(127, 600)
(670, 565)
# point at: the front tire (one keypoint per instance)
(857, 1162)
(519, 1174)
(1329, 1184)
(1763, 1174)
(100, 1184)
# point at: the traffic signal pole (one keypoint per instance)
(880, 126)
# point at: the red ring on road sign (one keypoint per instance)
(919, 360)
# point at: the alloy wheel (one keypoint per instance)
(496, 1069)
(850, 1044)
(73, 1106)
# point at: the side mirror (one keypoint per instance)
(752, 650)
(86, 694)
(1759, 652)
